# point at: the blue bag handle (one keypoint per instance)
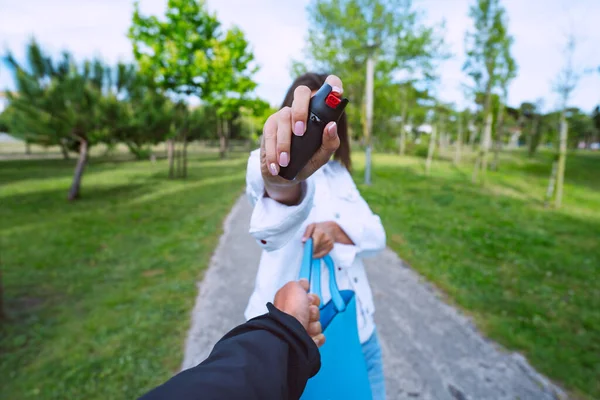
(311, 271)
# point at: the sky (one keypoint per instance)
(277, 30)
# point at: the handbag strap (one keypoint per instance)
(311, 271)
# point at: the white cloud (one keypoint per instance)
(277, 30)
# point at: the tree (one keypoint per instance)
(431, 148)
(344, 34)
(59, 102)
(187, 54)
(536, 117)
(175, 53)
(463, 119)
(507, 72)
(232, 81)
(137, 114)
(565, 84)
(488, 63)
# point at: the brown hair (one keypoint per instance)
(314, 81)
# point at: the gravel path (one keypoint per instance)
(431, 351)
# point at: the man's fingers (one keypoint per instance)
(270, 144)
(316, 300)
(319, 340)
(304, 283)
(308, 232)
(314, 328)
(300, 109)
(335, 83)
(284, 136)
(313, 313)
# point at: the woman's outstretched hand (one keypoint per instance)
(277, 138)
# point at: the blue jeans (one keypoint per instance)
(372, 352)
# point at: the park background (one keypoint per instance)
(124, 146)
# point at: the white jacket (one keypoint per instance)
(328, 195)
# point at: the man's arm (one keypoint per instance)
(268, 357)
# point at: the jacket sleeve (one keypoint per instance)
(274, 224)
(361, 225)
(268, 357)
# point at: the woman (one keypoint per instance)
(322, 203)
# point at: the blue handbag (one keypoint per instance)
(343, 373)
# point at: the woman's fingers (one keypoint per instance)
(310, 229)
(284, 136)
(335, 83)
(318, 239)
(300, 109)
(270, 144)
(329, 145)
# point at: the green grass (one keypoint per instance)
(99, 292)
(529, 275)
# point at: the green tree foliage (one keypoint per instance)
(186, 53)
(233, 82)
(344, 33)
(137, 114)
(58, 103)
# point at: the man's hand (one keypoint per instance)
(325, 235)
(293, 299)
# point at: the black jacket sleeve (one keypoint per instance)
(268, 357)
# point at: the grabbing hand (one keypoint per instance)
(293, 299)
(324, 236)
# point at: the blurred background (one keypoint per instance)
(124, 134)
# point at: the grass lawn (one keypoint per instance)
(530, 276)
(99, 292)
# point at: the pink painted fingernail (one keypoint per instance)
(273, 169)
(299, 128)
(336, 89)
(284, 159)
(332, 130)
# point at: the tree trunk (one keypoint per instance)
(178, 156)
(481, 161)
(472, 138)
(487, 138)
(562, 159)
(170, 156)
(2, 312)
(223, 139)
(79, 168)
(514, 140)
(534, 139)
(459, 140)
(64, 150)
(185, 144)
(403, 126)
(369, 88)
(27, 148)
(499, 137)
(431, 149)
(551, 183)
(403, 139)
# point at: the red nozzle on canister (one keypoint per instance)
(333, 100)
